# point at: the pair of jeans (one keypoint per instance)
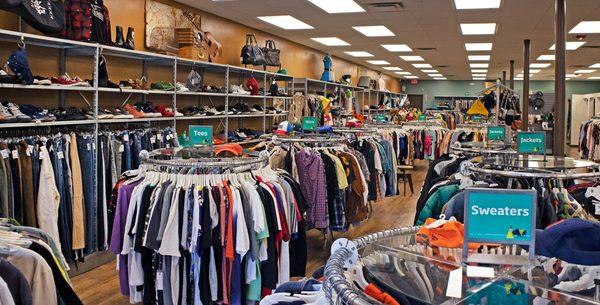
(9, 181)
(85, 145)
(28, 204)
(136, 138)
(15, 165)
(64, 211)
(35, 167)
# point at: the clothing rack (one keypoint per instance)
(312, 139)
(354, 130)
(204, 162)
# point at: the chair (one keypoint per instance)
(404, 172)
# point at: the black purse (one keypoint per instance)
(252, 54)
(46, 16)
(271, 54)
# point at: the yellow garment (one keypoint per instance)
(478, 109)
(339, 171)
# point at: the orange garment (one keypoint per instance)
(383, 297)
(233, 148)
(449, 235)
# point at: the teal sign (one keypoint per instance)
(476, 118)
(380, 118)
(309, 123)
(532, 143)
(422, 117)
(201, 135)
(496, 133)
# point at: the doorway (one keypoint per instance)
(416, 101)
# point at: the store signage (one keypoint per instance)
(506, 217)
(380, 118)
(422, 117)
(201, 135)
(414, 81)
(496, 133)
(532, 143)
(309, 123)
(476, 118)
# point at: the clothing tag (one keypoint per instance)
(121, 148)
(89, 146)
(94, 145)
(152, 139)
(159, 137)
(15, 154)
(60, 155)
(29, 150)
(159, 280)
(43, 155)
(126, 138)
(597, 212)
(454, 289)
(480, 272)
(168, 146)
(5, 153)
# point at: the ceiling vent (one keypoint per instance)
(427, 49)
(385, 7)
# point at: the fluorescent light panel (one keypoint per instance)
(479, 57)
(570, 45)
(397, 47)
(487, 46)
(572, 75)
(436, 75)
(595, 66)
(412, 58)
(479, 65)
(547, 57)
(378, 62)
(440, 78)
(476, 4)
(338, 6)
(422, 66)
(411, 77)
(403, 73)
(594, 77)
(584, 71)
(479, 75)
(430, 71)
(479, 70)
(479, 78)
(539, 65)
(374, 31)
(534, 71)
(586, 27)
(359, 54)
(478, 28)
(331, 41)
(286, 22)
(392, 68)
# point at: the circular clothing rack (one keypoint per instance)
(200, 158)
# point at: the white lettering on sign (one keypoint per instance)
(531, 140)
(200, 133)
(506, 211)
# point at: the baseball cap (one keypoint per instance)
(285, 127)
(575, 241)
(19, 64)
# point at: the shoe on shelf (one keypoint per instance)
(16, 112)
(163, 86)
(181, 87)
(41, 81)
(221, 109)
(238, 89)
(37, 113)
(103, 114)
(271, 110)
(65, 80)
(257, 108)
(165, 111)
(129, 43)
(6, 116)
(148, 110)
(120, 113)
(191, 111)
(211, 111)
(178, 114)
(130, 109)
(74, 114)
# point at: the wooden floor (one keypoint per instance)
(101, 286)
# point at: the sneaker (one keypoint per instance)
(257, 108)
(74, 114)
(148, 110)
(238, 89)
(211, 111)
(181, 87)
(191, 111)
(133, 111)
(8, 79)
(65, 80)
(6, 116)
(119, 113)
(14, 109)
(178, 114)
(104, 114)
(41, 81)
(163, 86)
(37, 113)
(271, 110)
(165, 111)
(221, 109)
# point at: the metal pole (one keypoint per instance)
(497, 110)
(512, 75)
(558, 148)
(525, 98)
(504, 78)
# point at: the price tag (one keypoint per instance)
(125, 138)
(60, 155)
(153, 139)
(5, 153)
(159, 280)
(29, 150)
(43, 155)
(94, 145)
(121, 148)
(597, 212)
(160, 137)
(89, 146)
(15, 154)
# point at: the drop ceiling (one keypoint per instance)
(431, 28)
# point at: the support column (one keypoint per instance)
(512, 75)
(525, 97)
(504, 78)
(560, 108)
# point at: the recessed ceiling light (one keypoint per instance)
(594, 77)
(479, 70)
(547, 57)
(397, 47)
(479, 57)
(572, 75)
(422, 66)
(533, 71)
(286, 22)
(412, 58)
(479, 75)
(411, 77)
(403, 73)
(374, 31)
(359, 54)
(584, 71)
(378, 62)
(479, 65)
(440, 78)
(586, 27)
(570, 45)
(435, 75)
(595, 66)
(487, 46)
(330, 41)
(539, 65)
(430, 71)
(476, 4)
(478, 28)
(338, 6)
(392, 68)
(479, 78)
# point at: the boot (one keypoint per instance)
(119, 42)
(129, 43)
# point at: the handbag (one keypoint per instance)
(271, 54)
(252, 54)
(46, 16)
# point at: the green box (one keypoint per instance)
(309, 123)
(201, 135)
(422, 117)
(496, 133)
(532, 143)
(380, 118)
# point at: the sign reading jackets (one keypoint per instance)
(201, 135)
(380, 118)
(533, 143)
(496, 133)
(309, 123)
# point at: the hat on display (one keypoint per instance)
(19, 65)
(285, 127)
(573, 240)
(282, 71)
(233, 148)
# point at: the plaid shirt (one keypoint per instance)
(78, 16)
